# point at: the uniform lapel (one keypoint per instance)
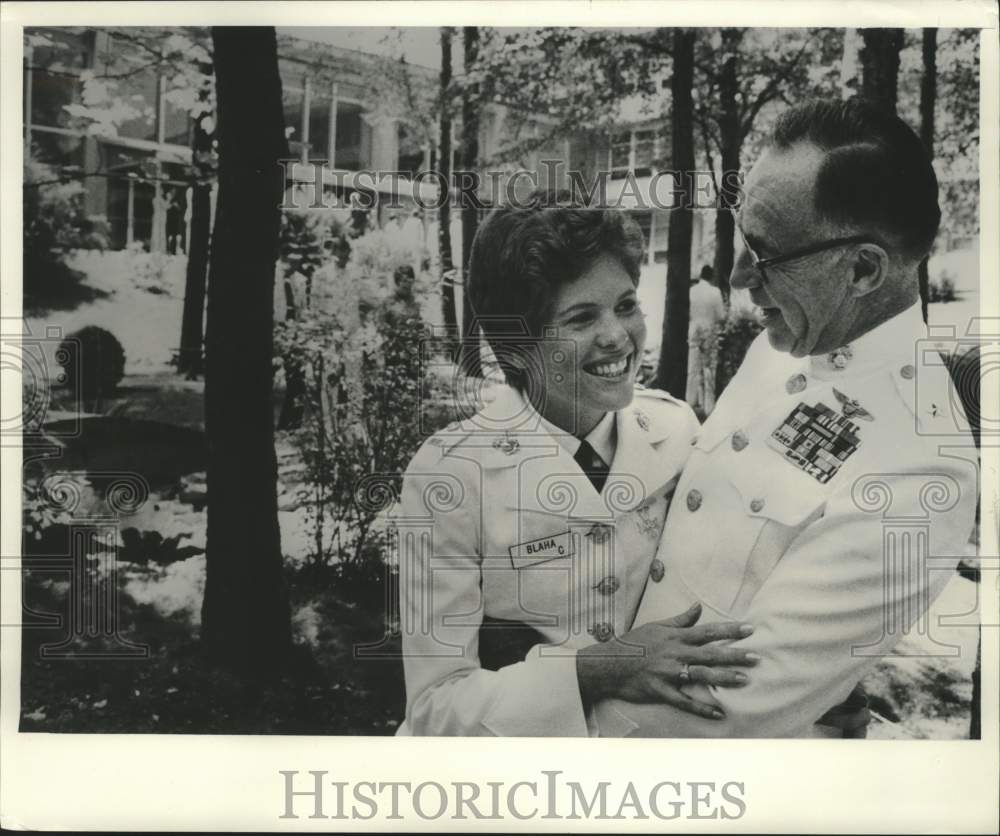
(535, 470)
(643, 464)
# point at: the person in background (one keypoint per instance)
(708, 312)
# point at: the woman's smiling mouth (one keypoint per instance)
(610, 370)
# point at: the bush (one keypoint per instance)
(54, 220)
(93, 362)
(942, 290)
(357, 346)
(739, 330)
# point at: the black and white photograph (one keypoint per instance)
(501, 381)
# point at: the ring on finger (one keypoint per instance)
(685, 675)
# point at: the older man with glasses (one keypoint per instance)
(819, 502)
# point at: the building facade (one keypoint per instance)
(137, 174)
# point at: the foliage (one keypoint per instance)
(44, 503)
(308, 239)
(738, 331)
(941, 290)
(54, 219)
(93, 362)
(358, 344)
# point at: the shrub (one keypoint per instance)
(358, 346)
(54, 219)
(738, 331)
(93, 362)
(941, 290)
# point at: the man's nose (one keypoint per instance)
(744, 274)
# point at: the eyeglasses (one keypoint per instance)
(812, 249)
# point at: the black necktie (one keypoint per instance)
(592, 464)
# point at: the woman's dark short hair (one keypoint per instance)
(523, 253)
(876, 175)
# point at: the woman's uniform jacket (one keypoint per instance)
(510, 560)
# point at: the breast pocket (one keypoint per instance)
(752, 516)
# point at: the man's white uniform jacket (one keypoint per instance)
(826, 502)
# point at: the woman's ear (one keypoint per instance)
(871, 269)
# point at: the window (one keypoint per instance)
(50, 93)
(353, 138)
(292, 100)
(319, 128)
(621, 153)
(645, 152)
(411, 154)
(141, 92)
(57, 149)
(177, 125)
(57, 57)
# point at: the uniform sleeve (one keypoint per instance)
(840, 598)
(447, 692)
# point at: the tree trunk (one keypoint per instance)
(470, 214)
(729, 132)
(671, 372)
(444, 163)
(190, 361)
(880, 66)
(928, 98)
(245, 615)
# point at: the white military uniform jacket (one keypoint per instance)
(826, 502)
(499, 526)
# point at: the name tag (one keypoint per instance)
(541, 550)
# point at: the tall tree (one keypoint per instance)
(671, 373)
(245, 614)
(928, 98)
(880, 66)
(739, 73)
(470, 214)
(190, 360)
(444, 167)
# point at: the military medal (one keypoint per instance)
(816, 439)
(507, 445)
(851, 407)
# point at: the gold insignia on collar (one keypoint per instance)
(642, 420)
(851, 408)
(507, 445)
(839, 358)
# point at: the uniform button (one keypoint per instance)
(609, 585)
(599, 532)
(796, 383)
(602, 631)
(740, 440)
(757, 505)
(656, 570)
(907, 372)
(694, 499)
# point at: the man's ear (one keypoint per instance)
(871, 269)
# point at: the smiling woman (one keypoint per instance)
(528, 531)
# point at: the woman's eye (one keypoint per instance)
(580, 319)
(629, 306)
